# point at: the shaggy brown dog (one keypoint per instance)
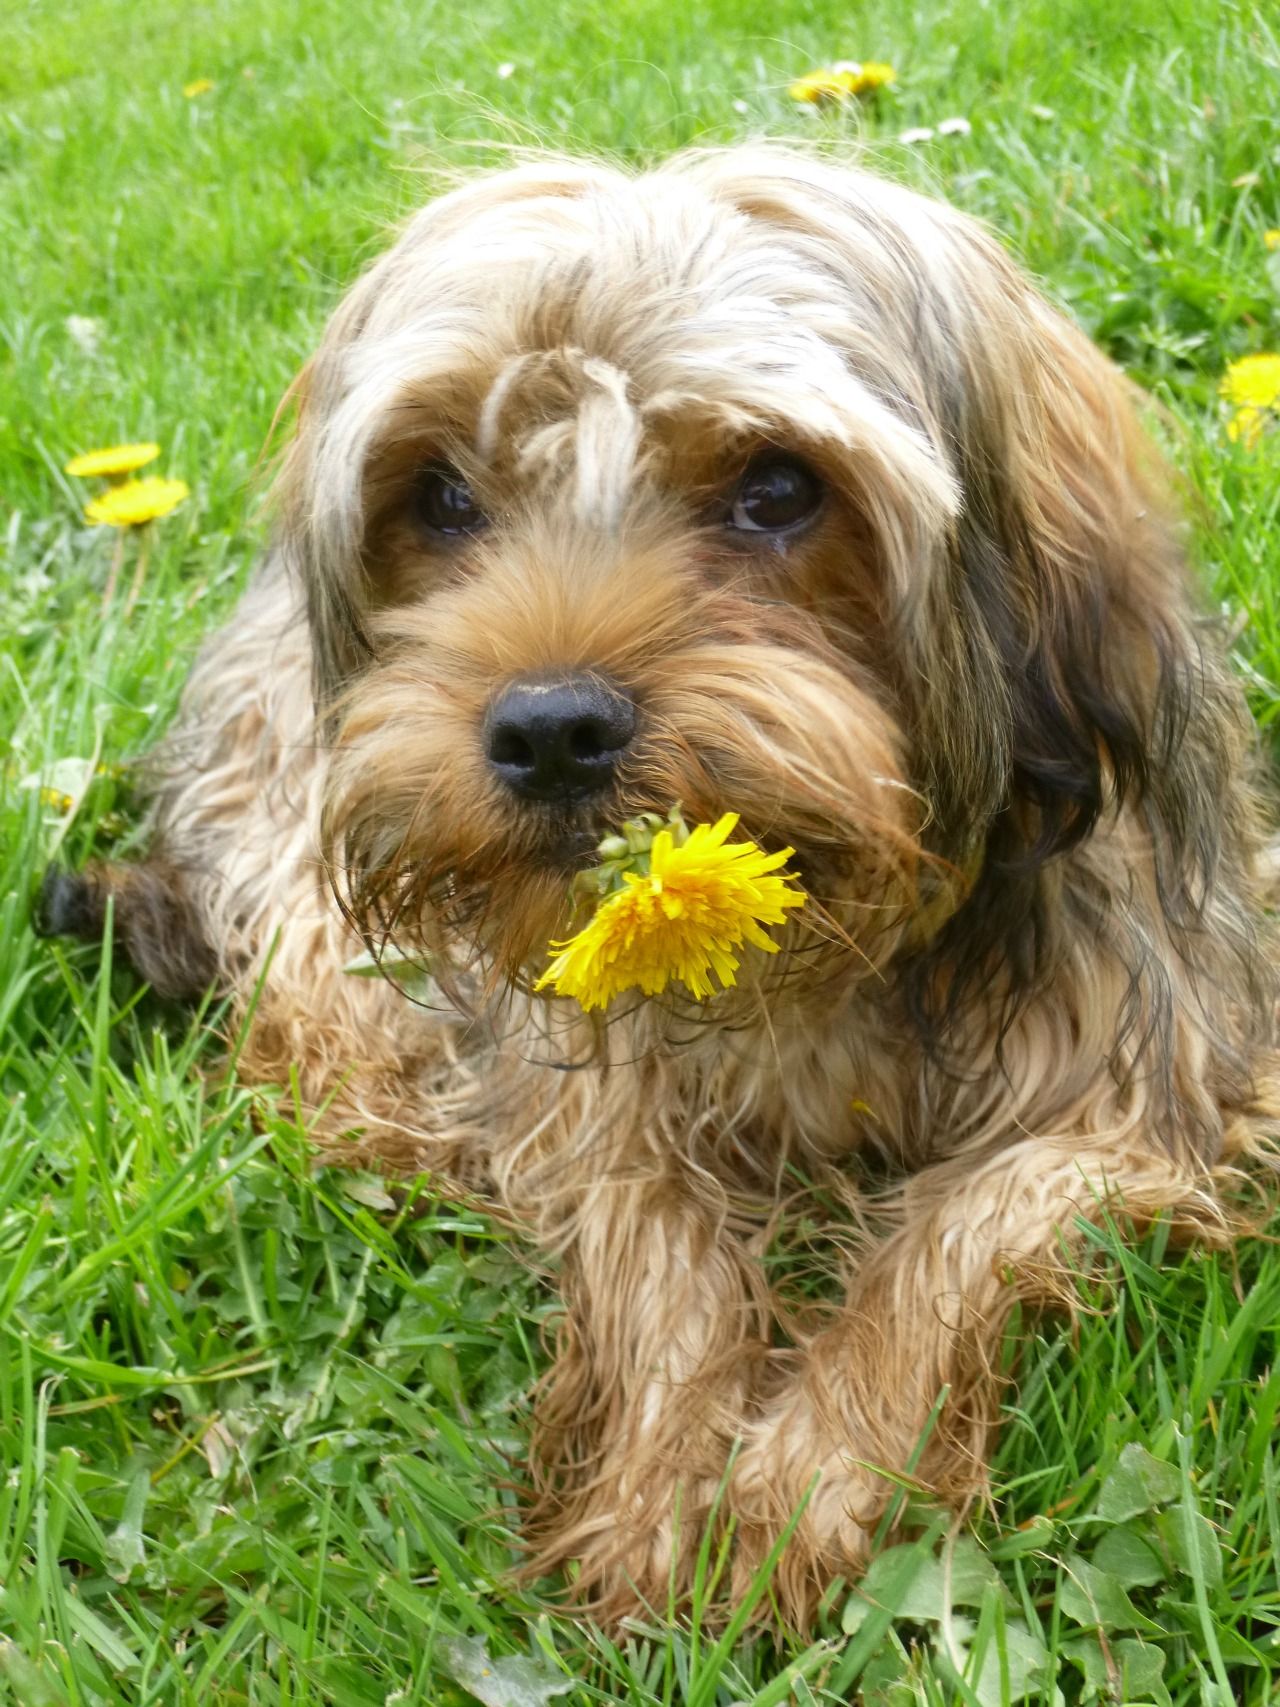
(760, 485)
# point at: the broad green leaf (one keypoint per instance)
(1141, 1669)
(1094, 1598)
(1138, 1483)
(882, 1585)
(124, 1545)
(1192, 1543)
(368, 1189)
(1234, 1648)
(887, 1681)
(1135, 1673)
(408, 972)
(1133, 1562)
(511, 1680)
(1023, 1669)
(934, 1588)
(1031, 1537)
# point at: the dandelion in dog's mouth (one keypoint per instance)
(673, 903)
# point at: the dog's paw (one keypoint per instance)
(637, 1560)
(790, 1467)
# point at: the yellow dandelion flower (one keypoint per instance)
(1253, 380)
(116, 459)
(135, 502)
(201, 86)
(821, 85)
(838, 82)
(700, 900)
(1252, 387)
(1271, 239)
(874, 75)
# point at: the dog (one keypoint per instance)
(760, 484)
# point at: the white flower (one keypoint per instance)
(954, 127)
(921, 133)
(506, 69)
(741, 107)
(84, 330)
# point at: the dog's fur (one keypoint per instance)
(976, 698)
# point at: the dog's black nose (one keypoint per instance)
(558, 740)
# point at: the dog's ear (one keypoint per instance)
(1043, 639)
(1069, 675)
(337, 629)
(1066, 597)
(319, 502)
(326, 568)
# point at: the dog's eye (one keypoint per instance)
(775, 494)
(444, 502)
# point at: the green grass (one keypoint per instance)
(256, 1425)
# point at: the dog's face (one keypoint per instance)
(748, 483)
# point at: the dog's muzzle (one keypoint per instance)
(558, 741)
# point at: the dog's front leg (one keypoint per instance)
(664, 1327)
(922, 1323)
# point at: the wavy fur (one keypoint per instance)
(977, 697)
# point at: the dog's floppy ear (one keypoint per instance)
(319, 494)
(1043, 641)
(338, 642)
(320, 563)
(1066, 571)
(1064, 607)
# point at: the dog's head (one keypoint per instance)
(750, 483)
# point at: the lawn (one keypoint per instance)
(257, 1424)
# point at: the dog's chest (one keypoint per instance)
(794, 1084)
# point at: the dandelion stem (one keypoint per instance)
(135, 586)
(113, 573)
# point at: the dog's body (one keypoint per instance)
(962, 676)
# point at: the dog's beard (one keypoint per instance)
(743, 709)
